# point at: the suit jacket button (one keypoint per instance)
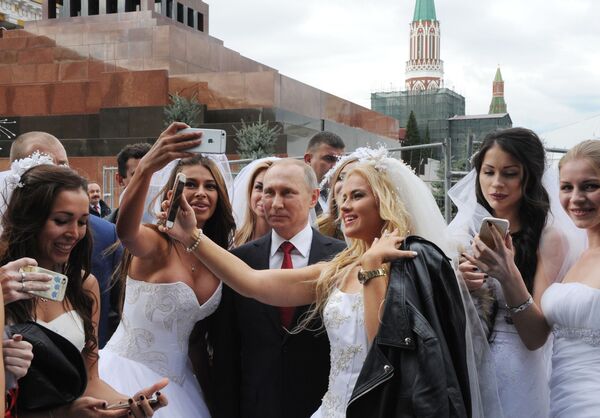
(387, 368)
(408, 341)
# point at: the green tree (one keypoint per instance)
(256, 140)
(182, 109)
(412, 157)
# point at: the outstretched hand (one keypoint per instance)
(385, 249)
(184, 224)
(169, 146)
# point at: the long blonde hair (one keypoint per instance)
(394, 216)
(245, 232)
(329, 223)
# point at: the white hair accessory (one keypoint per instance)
(19, 167)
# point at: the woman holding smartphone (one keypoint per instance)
(569, 309)
(380, 202)
(167, 289)
(46, 220)
(507, 183)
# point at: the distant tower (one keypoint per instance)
(498, 104)
(424, 69)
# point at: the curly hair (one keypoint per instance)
(526, 147)
(23, 221)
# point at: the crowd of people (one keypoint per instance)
(329, 287)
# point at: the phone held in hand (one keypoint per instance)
(125, 405)
(485, 233)
(176, 193)
(214, 141)
(58, 284)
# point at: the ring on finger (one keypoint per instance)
(22, 286)
(22, 277)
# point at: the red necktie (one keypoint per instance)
(286, 313)
(98, 208)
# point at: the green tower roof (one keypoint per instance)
(498, 77)
(424, 10)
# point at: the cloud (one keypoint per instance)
(547, 49)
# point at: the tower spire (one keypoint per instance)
(424, 69)
(498, 105)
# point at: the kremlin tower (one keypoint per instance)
(424, 69)
(498, 104)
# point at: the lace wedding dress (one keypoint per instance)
(151, 342)
(522, 375)
(573, 312)
(344, 321)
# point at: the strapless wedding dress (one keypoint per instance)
(151, 342)
(344, 321)
(573, 312)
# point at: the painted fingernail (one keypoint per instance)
(157, 394)
(485, 276)
(142, 397)
(475, 269)
(104, 405)
(130, 401)
(129, 414)
(414, 253)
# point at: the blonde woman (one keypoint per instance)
(329, 223)
(247, 203)
(350, 292)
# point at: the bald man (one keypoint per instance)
(26, 144)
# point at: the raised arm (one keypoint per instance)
(294, 287)
(140, 240)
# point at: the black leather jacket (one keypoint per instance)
(417, 365)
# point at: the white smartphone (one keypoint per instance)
(214, 141)
(176, 193)
(485, 233)
(58, 284)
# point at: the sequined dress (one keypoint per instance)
(573, 312)
(344, 321)
(151, 342)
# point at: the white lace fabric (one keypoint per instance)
(157, 321)
(344, 321)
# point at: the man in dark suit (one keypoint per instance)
(260, 370)
(97, 206)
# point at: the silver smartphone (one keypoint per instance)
(214, 141)
(176, 193)
(485, 233)
(58, 284)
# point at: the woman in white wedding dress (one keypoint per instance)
(379, 195)
(507, 183)
(569, 309)
(167, 289)
(46, 221)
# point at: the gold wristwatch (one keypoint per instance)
(365, 275)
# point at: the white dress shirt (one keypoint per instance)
(302, 242)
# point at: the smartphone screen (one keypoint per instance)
(175, 199)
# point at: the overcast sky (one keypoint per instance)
(548, 50)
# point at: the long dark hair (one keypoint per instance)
(221, 225)
(25, 216)
(526, 147)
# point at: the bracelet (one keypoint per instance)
(521, 307)
(196, 242)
